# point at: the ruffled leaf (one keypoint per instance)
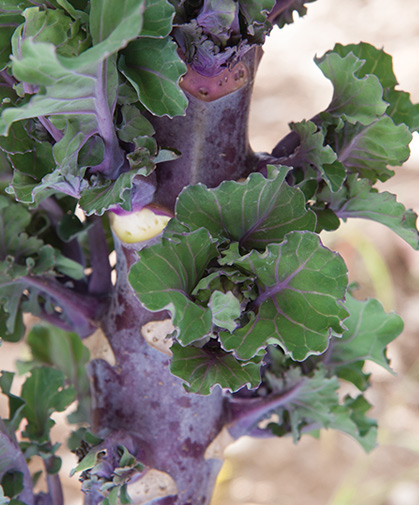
(313, 403)
(367, 150)
(363, 201)
(225, 309)
(154, 68)
(203, 368)
(357, 100)
(44, 393)
(369, 332)
(301, 287)
(254, 213)
(312, 152)
(165, 276)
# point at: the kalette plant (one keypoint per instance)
(124, 128)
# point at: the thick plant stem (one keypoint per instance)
(139, 395)
(213, 135)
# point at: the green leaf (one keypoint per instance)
(313, 403)
(310, 402)
(255, 212)
(11, 329)
(255, 13)
(368, 150)
(65, 351)
(53, 25)
(12, 483)
(350, 418)
(84, 86)
(301, 287)
(105, 16)
(313, 153)
(87, 463)
(401, 109)
(8, 24)
(15, 403)
(357, 100)
(203, 368)
(97, 199)
(44, 393)
(363, 201)
(165, 276)
(225, 309)
(375, 61)
(158, 16)
(154, 68)
(134, 124)
(369, 332)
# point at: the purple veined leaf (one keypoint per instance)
(357, 100)
(363, 201)
(165, 276)
(314, 403)
(254, 213)
(301, 285)
(219, 18)
(369, 332)
(368, 150)
(205, 368)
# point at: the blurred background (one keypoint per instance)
(333, 470)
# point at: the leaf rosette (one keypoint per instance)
(239, 268)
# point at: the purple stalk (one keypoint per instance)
(82, 310)
(7, 78)
(244, 413)
(140, 395)
(55, 133)
(100, 279)
(55, 489)
(114, 158)
(279, 8)
(287, 145)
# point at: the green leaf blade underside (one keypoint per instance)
(312, 152)
(314, 404)
(378, 62)
(157, 18)
(225, 309)
(44, 393)
(302, 285)
(65, 351)
(370, 330)
(105, 16)
(203, 369)
(154, 68)
(165, 276)
(364, 202)
(374, 61)
(255, 212)
(358, 100)
(368, 150)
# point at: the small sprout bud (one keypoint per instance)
(139, 226)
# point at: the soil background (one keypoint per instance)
(333, 470)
